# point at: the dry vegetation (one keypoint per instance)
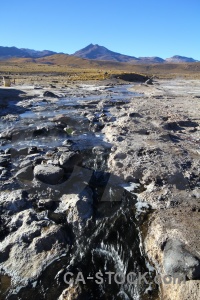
(75, 69)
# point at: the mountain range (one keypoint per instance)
(97, 52)
(10, 52)
(92, 52)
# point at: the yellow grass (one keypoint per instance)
(75, 69)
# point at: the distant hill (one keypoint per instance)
(9, 52)
(95, 69)
(38, 54)
(151, 60)
(180, 59)
(102, 53)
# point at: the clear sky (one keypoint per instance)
(138, 28)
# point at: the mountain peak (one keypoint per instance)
(102, 53)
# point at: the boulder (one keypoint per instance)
(49, 94)
(25, 173)
(48, 174)
(178, 261)
(77, 205)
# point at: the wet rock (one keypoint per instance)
(31, 159)
(25, 163)
(52, 158)
(10, 118)
(13, 152)
(68, 160)
(178, 261)
(63, 148)
(4, 174)
(23, 151)
(97, 127)
(61, 118)
(54, 161)
(92, 118)
(4, 160)
(48, 174)
(49, 94)
(67, 143)
(45, 203)
(25, 173)
(77, 206)
(98, 150)
(32, 150)
(40, 131)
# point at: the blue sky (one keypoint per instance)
(138, 28)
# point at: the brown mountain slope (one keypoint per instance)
(62, 63)
(97, 52)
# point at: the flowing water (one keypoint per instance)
(110, 241)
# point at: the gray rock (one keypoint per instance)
(50, 94)
(25, 173)
(10, 118)
(31, 159)
(78, 206)
(13, 201)
(25, 163)
(57, 218)
(70, 159)
(135, 115)
(45, 203)
(33, 244)
(149, 81)
(120, 155)
(98, 150)
(32, 150)
(48, 174)
(178, 261)
(23, 151)
(4, 160)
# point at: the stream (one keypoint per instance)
(110, 240)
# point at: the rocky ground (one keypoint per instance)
(64, 149)
(156, 142)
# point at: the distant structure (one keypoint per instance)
(6, 81)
